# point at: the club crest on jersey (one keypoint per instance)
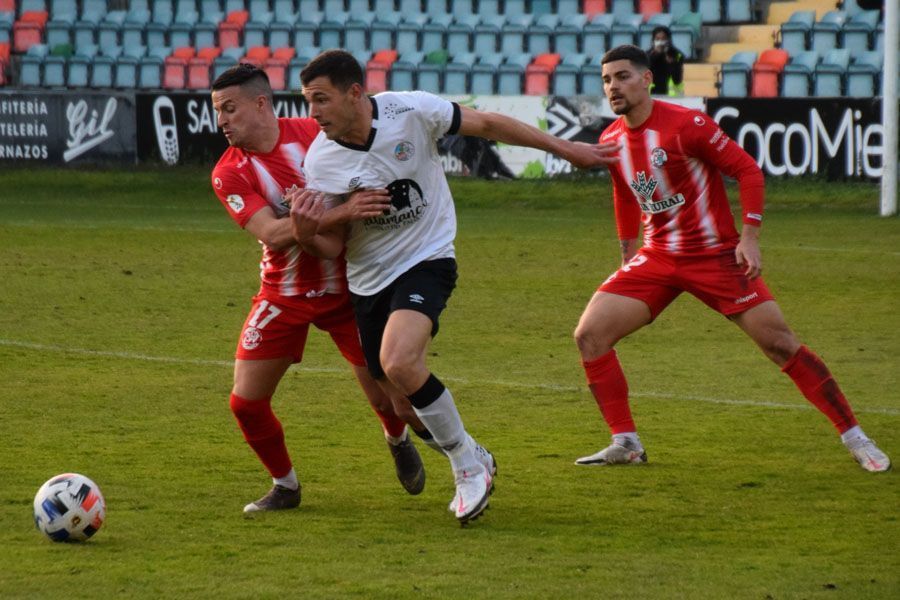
(658, 157)
(235, 202)
(404, 151)
(644, 187)
(251, 338)
(218, 183)
(354, 183)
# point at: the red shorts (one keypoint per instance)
(717, 280)
(277, 327)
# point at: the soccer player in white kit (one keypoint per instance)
(400, 265)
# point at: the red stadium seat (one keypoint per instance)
(229, 35)
(210, 53)
(198, 74)
(238, 17)
(35, 16)
(185, 52)
(384, 57)
(593, 7)
(649, 8)
(538, 73)
(4, 52)
(377, 70)
(7, 6)
(284, 54)
(260, 53)
(173, 73)
(25, 35)
(767, 73)
(276, 69)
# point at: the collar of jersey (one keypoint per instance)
(368, 145)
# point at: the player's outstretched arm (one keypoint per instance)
(501, 128)
(307, 210)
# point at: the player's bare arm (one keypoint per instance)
(747, 252)
(307, 211)
(501, 128)
(362, 204)
(628, 248)
(270, 230)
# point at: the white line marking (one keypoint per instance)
(461, 380)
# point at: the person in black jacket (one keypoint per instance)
(666, 64)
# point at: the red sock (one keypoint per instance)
(818, 385)
(391, 423)
(610, 389)
(263, 432)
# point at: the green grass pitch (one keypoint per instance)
(121, 298)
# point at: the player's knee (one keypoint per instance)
(781, 346)
(398, 368)
(591, 341)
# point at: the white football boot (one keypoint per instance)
(868, 455)
(487, 461)
(473, 488)
(625, 453)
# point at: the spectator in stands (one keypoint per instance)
(666, 64)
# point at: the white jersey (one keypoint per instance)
(400, 155)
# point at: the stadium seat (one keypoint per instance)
(648, 8)
(149, 72)
(132, 34)
(825, 33)
(857, 33)
(514, 7)
(592, 8)
(512, 36)
(797, 74)
(430, 73)
(486, 38)
(220, 65)
(735, 75)
(484, 74)
(383, 30)
(461, 33)
(30, 71)
(864, 74)
(738, 11)
(457, 73)
(434, 31)
(436, 8)
(277, 71)
(356, 32)
(711, 10)
(685, 32)
(136, 51)
(540, 33)
(229, 35)
(645, 31)
(377, 70)
(592, 76)
(538, 74)
(255, 34)
(331, 30)
(595, 35)
(511, 74)
(408, 32)
(830, 73)
(767, 73)
(566, 77)
(102, 72)
(184, 52)
(58, 32)
(625, 29)
(796, 31)
(488, 8)
(305, 34)
(174, 70)
(567, 35)
(54, 72)
(25, 35)
(621, 8)
(126, 73)
(78, 72)
(677, 8)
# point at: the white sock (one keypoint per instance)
(289, 481)
(853, 433)
(446, 427)
(629, 436)
(395, 441)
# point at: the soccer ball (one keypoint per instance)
(69, 508)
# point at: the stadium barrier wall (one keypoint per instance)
(839, 138)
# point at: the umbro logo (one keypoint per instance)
(643, 186)
(416, 298)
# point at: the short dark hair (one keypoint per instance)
(627, 52)
(661, 29)
(247, 76)
(339, 66)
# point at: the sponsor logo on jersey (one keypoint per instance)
(644, 187)
(251, 338)
(699, 121)
(658, 157)
(218, 183)
(242, 163)
(235, 202)
(661, 205)
(404, 151)
(408, 204)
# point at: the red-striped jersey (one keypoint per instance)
(246, 182)
(669, 177)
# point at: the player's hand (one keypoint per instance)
(748, 255)
(307, 208)
(365, 204)
(586, 156)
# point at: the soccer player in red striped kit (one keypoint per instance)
(297, 290)
(669, 179)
